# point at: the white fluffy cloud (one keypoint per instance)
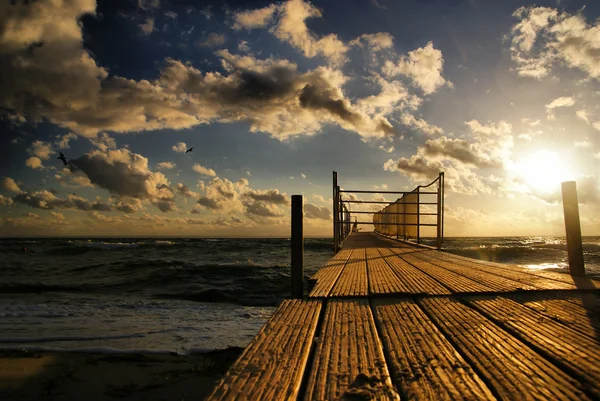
(544, 37)
(422, 125)
(165, 165)
(8, 184)
(203, 170)
(423, 66)
(34, 163)
(179, 147)
(564, 101)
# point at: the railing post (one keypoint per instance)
(418, 215)
(573, 229)
(439, 213)
(297, 247)
(336, 239)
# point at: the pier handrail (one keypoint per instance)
(400, 218)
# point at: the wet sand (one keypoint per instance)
(93, 377)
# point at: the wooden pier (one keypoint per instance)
(388, 320)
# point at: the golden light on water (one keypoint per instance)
(544, 170)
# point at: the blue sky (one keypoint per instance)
(273, 96)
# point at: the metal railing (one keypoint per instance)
(402, 218)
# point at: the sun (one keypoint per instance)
(544, 170)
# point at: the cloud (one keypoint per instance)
(171, 14)
(203, 170)
(165, 165)
(55, 78)
(5, 201)
(148, 4)
(180, 147)
(561, 102)
(263, 209)
(124, 173)
(253, 19)
(8, 184)
(303, 175)
(423, 66)
(185, 190)
(316, 212)
(544, 37)
(270, 196)
(103, 141)
(63, 141)
(40, 149)
(376, 41)
(213, 40)
(583, 144)
(422, 125)
(34, 163)
(291, 28)
(582, 114)
(147, 27)
(487, 146)
(48, 201)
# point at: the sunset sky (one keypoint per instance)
(503, 96)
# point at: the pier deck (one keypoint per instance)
(388, 321)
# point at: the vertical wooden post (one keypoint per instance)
(340, 217)
(573, 229)
(297, 247)
(418, 215)
(335, 214)
(439, 213)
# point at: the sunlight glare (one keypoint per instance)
(544, 170)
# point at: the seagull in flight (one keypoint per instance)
(189, 150)
(63, 158)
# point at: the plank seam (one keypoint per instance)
(466, 358)
(540, 351)
(312, 352)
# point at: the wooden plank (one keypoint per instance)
(353, 279)
(497, 283)
(510, 368)
(455, 282)
(415, 280)
(515, 273)
(423, 363)
(382, 279)
(328, 275)
(349, 356)
(556, 306)
(272, 366)
(564, 346)
(580, 283)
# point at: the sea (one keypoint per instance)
(183, 295)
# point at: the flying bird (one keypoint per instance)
(63, 158)
(189, 150)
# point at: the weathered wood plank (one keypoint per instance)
(580, 283)
(353, 279)
(349, 356)
(556, 306)
(455, 282)
(382, 279)
(497, 283)
(566, 347)
(272, 366)
(515, 273)
(328, 275)
(512, 369)
(415, 280)
(424, 364)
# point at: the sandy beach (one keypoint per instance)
(26, 375)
